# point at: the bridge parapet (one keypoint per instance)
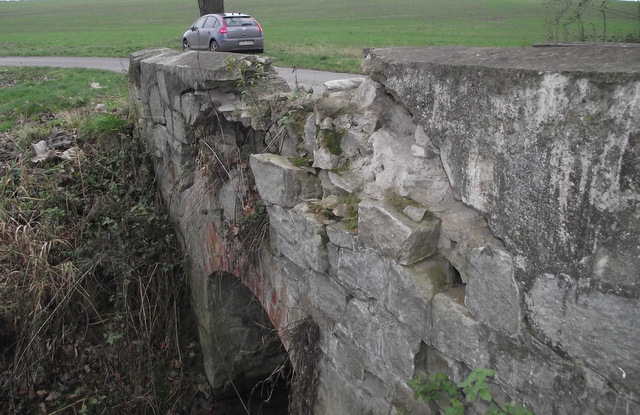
(460, 207)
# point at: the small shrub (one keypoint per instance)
(29, 134)
(332, 140)
(107, 125)
(352, 211)
(440, 389)
(301, 161)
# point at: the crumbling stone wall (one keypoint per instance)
(496, 226)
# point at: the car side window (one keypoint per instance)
(216, 23)
(209, 23)
(199, 24)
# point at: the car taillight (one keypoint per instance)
(259, 27)
(223, 29)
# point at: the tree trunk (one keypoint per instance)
(211, 6)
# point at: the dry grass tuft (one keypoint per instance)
(73, 118)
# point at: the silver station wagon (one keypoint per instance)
(225, 32)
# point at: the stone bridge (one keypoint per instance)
(455, 208)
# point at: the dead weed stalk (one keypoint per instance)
(304, 353)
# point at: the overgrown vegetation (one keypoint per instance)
(93, 315)
(452, 398)
(223, 156)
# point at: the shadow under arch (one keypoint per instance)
(244, 357)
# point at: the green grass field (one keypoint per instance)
(31, 92)
(324, 34)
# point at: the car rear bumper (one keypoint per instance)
(231, 45)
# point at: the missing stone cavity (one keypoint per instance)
(454, 277)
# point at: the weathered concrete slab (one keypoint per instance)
(603, 58)
(543, 142)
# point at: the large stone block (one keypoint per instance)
(457, 334)
(364, 271)
(156, 106)
(400, 345)
(345, 354)
(231, 195)
(391, 157)
(195, 107)
(411, 289)
(327, 296)
(339, 394)
(363, 327)
(281, 183)
(300, 236)
(492, 294)
(389, 347)
(590, 326)
(394, 235)
(525, 368)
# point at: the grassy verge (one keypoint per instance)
(319, 34)
(28, 93)
(92, 290)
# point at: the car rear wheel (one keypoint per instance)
(213, 46)
(185, 45)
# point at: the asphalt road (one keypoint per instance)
(305, 77)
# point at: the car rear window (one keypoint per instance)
(239, 21)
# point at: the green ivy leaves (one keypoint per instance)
(440, 389)
(476, 385)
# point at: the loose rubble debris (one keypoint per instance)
(57, 145)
